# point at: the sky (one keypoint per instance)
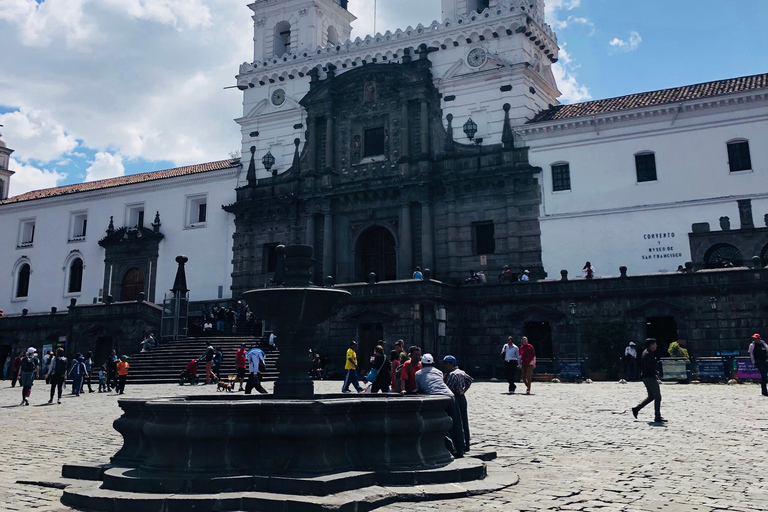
(92, 89)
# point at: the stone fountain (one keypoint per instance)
(290, 451)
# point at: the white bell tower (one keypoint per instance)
(5, 173)
(288, 27)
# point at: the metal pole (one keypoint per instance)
(176, 311)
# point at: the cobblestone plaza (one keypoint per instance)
(574, 447)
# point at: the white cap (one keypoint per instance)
(427, 359)
(31, 350)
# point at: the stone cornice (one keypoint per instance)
(682, 110)
(501, 21)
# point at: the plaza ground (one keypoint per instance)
(575, 447)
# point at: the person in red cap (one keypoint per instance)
(758, 353)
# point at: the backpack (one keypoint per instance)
(28, 364)
(60, 367)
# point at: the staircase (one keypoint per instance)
(164, 364)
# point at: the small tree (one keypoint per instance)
(676, 350)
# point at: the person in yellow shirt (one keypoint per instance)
(350, 368)
(122, 374)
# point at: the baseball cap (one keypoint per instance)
(755, 336)
(31, 350)
(450, 359)
(427, 359)
(632, 343)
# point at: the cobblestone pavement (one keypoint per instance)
(575, 447)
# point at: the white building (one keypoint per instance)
(623, 180)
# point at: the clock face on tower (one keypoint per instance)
(476, 57)
(278, 97)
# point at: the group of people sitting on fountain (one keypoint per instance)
(416, 373)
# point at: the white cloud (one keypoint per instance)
(35, 136)
(619, 45)
(106, 165)
(565, 76)
(553, 8)
(29, 177)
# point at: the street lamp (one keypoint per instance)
(713, 306)
(470, 129)
(268, 161)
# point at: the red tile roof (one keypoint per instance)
(122, 180)
(653, 98)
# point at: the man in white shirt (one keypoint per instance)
(511, 354)
(630, 358)
(256, 363)
(526, 276)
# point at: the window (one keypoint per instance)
(485, 243)
(738, 156)
(26, 233)
(561, 177)
(269, 258)
(22, 281)
(78, 225)
(477, 5)
(373, 145)
(645, 164)
(75, 284)
(282, 39)
(134, 216)
(197, 211)
(333, 38)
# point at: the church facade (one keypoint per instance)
(441, 147)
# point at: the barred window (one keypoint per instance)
(645, 164)
(561, 177)
(738, 156)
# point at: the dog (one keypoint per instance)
(224, 386)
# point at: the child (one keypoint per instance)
(103, 372)
(122, 374)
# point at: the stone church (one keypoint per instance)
(442, 147)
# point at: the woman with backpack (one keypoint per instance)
(29, 371)
(77, 374)
(56, 373)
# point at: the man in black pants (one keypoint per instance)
(511, 354)
(651, 381)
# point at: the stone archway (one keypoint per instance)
(718, 255)
(377, 252)
(133, 284)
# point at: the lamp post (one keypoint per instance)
(268, 161)
(572, 308)
(713, 306)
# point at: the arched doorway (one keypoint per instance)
(377, 254)
(723, 255)
(133, 284)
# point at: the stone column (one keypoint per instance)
(405, 257)
(328, 247)
(424, 123)
(329, 142)
(309, 237)
(427, 240)
(345, 263)
(404, 129)
(312, 141)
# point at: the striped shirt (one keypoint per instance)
(458, 381)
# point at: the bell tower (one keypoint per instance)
(5, 173)
(285, 28)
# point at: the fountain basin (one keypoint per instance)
(212, 436)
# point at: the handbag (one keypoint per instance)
(373, 374)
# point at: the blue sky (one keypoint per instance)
(85, 93)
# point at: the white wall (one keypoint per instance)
(209, 248)
(605, 215)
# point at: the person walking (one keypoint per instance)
(112, 373)
(429, 381)
(240, 364)
(15, 366)
(56, 374)
(758, 353)
(459, 382)
(88, 369)
(77, 374)
(527, 363)
(256, 365)
(208, 358)
(350, 369)
(103, 372)
(218, 358)
(651, 381)
(122, 374)
(47, 358)
(29, 370)
(408, 371)
(511, 355)
(630, 359)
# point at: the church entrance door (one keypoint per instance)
(378, 254)
(133, 284)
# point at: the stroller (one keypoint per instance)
(189, 374)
